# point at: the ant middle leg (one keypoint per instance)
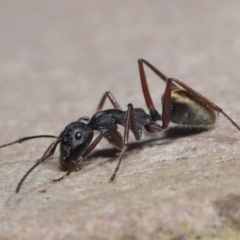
(129, 124)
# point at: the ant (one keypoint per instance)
(180, 103)
(76, 139)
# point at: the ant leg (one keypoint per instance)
(204, 100)
(48, 153)
(166, 104)
(116, 138)
(166, 109)
(153, 128)
(146, 93)
(153, 112)
(143, 78)
(112, 100)
(101, 103)
(130, 121)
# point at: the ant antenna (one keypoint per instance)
(27, 138)
(48, 153)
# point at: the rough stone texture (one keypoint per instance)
(58, 58)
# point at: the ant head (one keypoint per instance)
(75, 139)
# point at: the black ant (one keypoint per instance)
(76, 139)
(181, 105)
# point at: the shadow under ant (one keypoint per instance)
(167, 136)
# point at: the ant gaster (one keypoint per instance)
(180, 103)
(76, 139)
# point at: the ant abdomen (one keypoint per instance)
(189, 111)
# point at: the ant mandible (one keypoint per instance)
(181, 105)
(76, 139)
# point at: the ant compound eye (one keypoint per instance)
(78, 136)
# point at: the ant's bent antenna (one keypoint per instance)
(48, 153)
(26, 139)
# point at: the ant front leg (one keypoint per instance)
(111, 98)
